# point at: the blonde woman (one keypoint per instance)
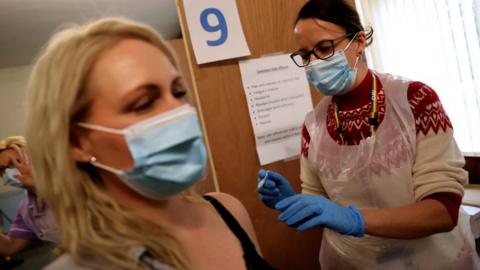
(117, 151)
(33, 221)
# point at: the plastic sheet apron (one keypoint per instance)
(377, 173)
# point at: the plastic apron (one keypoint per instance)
(377, 173)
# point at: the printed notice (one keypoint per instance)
(278, 98)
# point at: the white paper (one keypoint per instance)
(227, 38)
(278, 99)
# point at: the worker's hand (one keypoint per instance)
(273, 187)
(308, 211)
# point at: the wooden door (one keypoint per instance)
(268, 27)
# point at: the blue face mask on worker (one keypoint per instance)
(168, 153)
(333, 76)
(9, 178)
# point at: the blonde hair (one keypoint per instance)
(9, 142)
(92, 224)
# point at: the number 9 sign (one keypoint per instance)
(215, 30)
(221, 26)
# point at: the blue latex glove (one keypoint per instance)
(273, 188)
(308, 211)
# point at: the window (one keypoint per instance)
(436, 42)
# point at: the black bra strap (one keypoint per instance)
(231, 222)
(252, 259)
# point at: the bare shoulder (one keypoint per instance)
(238, 210)
(233, 205)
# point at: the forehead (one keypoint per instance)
(127, 65)
(308, 32)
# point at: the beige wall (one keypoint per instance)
(13, 84)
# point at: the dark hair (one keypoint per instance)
(338, 12)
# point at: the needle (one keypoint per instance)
(263, 181)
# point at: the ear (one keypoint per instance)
(361, 42)
(79, 155)
(79, 146)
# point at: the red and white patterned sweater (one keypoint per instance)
(437, 171)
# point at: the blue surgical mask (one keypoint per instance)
(332, 76)
(168, 153)
(9, 178)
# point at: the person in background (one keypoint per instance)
(33, 220)
(380, 169)
(118, 151)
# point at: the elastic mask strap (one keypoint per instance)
(348, 45)
(356, 61)
(100, 128)
(155, 120)
(94, 162)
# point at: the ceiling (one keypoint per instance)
(26, 25)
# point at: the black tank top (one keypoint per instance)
(253, 261)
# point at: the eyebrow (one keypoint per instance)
(323, 40)
(316, 44)
(177, 79)
(147, 87)
(131, 95)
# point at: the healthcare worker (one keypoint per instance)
(380, 169)
(117, 152)
(33, 220)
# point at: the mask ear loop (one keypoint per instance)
(356, 61)
(349, 43)
(95, 163)
(100, 128)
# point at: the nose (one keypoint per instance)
(312, 57)
(174, 102)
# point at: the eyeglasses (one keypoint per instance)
(323, 50)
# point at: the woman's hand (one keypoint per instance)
(273, 187)
(22, 163)
(309, 211)
(10, 246)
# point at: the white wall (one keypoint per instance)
(13, 88)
